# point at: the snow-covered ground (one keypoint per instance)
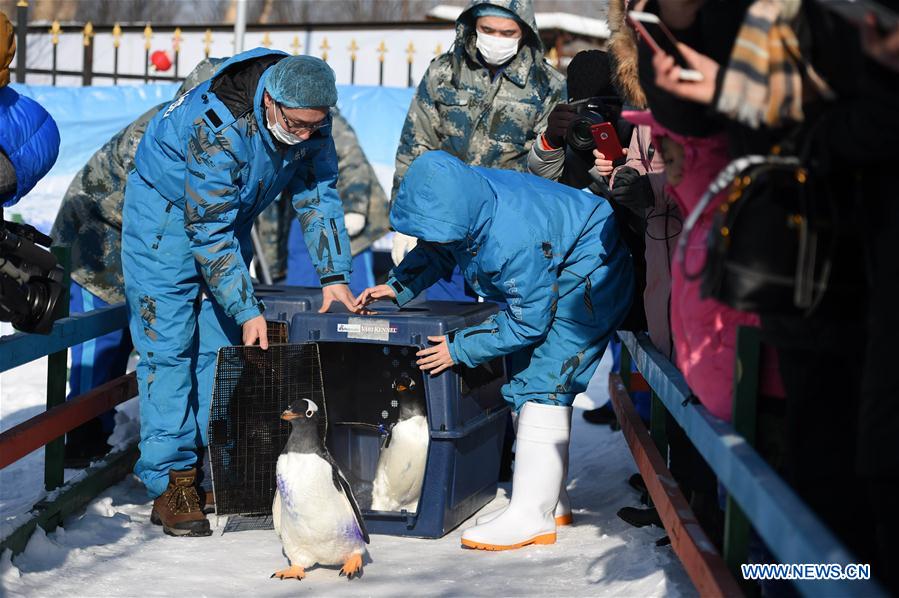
(112, 549)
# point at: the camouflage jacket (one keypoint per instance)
(359, 190)
(90, 217)
(458, 109)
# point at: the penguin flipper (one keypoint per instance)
(342, 484)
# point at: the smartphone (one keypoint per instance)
(660, 39)
(606, 140)
(855, 12)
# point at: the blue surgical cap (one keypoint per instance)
(491, 10)
(302, 82)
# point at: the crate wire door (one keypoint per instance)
(246, 433)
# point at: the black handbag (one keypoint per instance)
(770, 246)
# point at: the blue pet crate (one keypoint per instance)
(361, 356)
(282, 302)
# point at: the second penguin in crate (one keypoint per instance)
(402, 460)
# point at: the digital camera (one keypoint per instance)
(591, 111)
(30, 278)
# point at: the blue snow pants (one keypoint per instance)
(555, 370)
(301, 272)
(100, 359)
(175, 330)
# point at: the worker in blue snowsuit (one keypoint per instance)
(552, 254)
(206, 167)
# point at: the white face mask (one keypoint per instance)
(497, 50)
(279, 132)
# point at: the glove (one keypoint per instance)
(354, 223)
(632, 190)
(557, 124)
(402, 244)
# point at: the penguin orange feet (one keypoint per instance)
(292, 572)
(352, 567)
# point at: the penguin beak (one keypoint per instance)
(289, 415)
(401, 388)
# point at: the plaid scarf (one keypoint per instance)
(763, 81)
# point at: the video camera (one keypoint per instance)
(30, 278)
(591, 111)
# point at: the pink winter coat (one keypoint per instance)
(704, 330)
(663, 224)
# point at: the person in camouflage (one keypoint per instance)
(365, 209)
(483, 101)
(90, 222)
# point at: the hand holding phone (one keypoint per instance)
(653, 31)
(607, 142)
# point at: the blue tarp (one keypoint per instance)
(88, 116)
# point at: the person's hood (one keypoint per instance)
(239, 83)
(523, 9)
(623, 48)
(7, 48)
(240, 79)
(519, 67)
(442, 200)
(204, 70)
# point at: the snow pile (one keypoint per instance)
(113, 550)
(127, 425)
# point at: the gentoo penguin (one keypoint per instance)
(315, 512)
(401, 463)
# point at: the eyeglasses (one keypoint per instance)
(300, 126)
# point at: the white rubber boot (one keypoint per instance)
(562, 512)
(541, 446)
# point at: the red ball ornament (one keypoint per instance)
(161, 61)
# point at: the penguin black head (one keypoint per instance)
(403, 383)
(301, 411)
(404, 388)
(307, 429)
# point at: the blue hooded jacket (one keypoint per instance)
(517, 238)
(223, 169)
(29, 138)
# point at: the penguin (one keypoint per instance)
(401, 464)
(314, 512)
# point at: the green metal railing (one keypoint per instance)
(757, 498)
(49, 428)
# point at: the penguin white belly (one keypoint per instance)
(316, 522)
(401, 467)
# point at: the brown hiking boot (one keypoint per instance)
(177, 509)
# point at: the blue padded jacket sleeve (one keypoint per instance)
(320, 211)
(529, 282)
(211, 204)
(30, 140)
(422, 267)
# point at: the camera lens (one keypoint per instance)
(579, 135)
